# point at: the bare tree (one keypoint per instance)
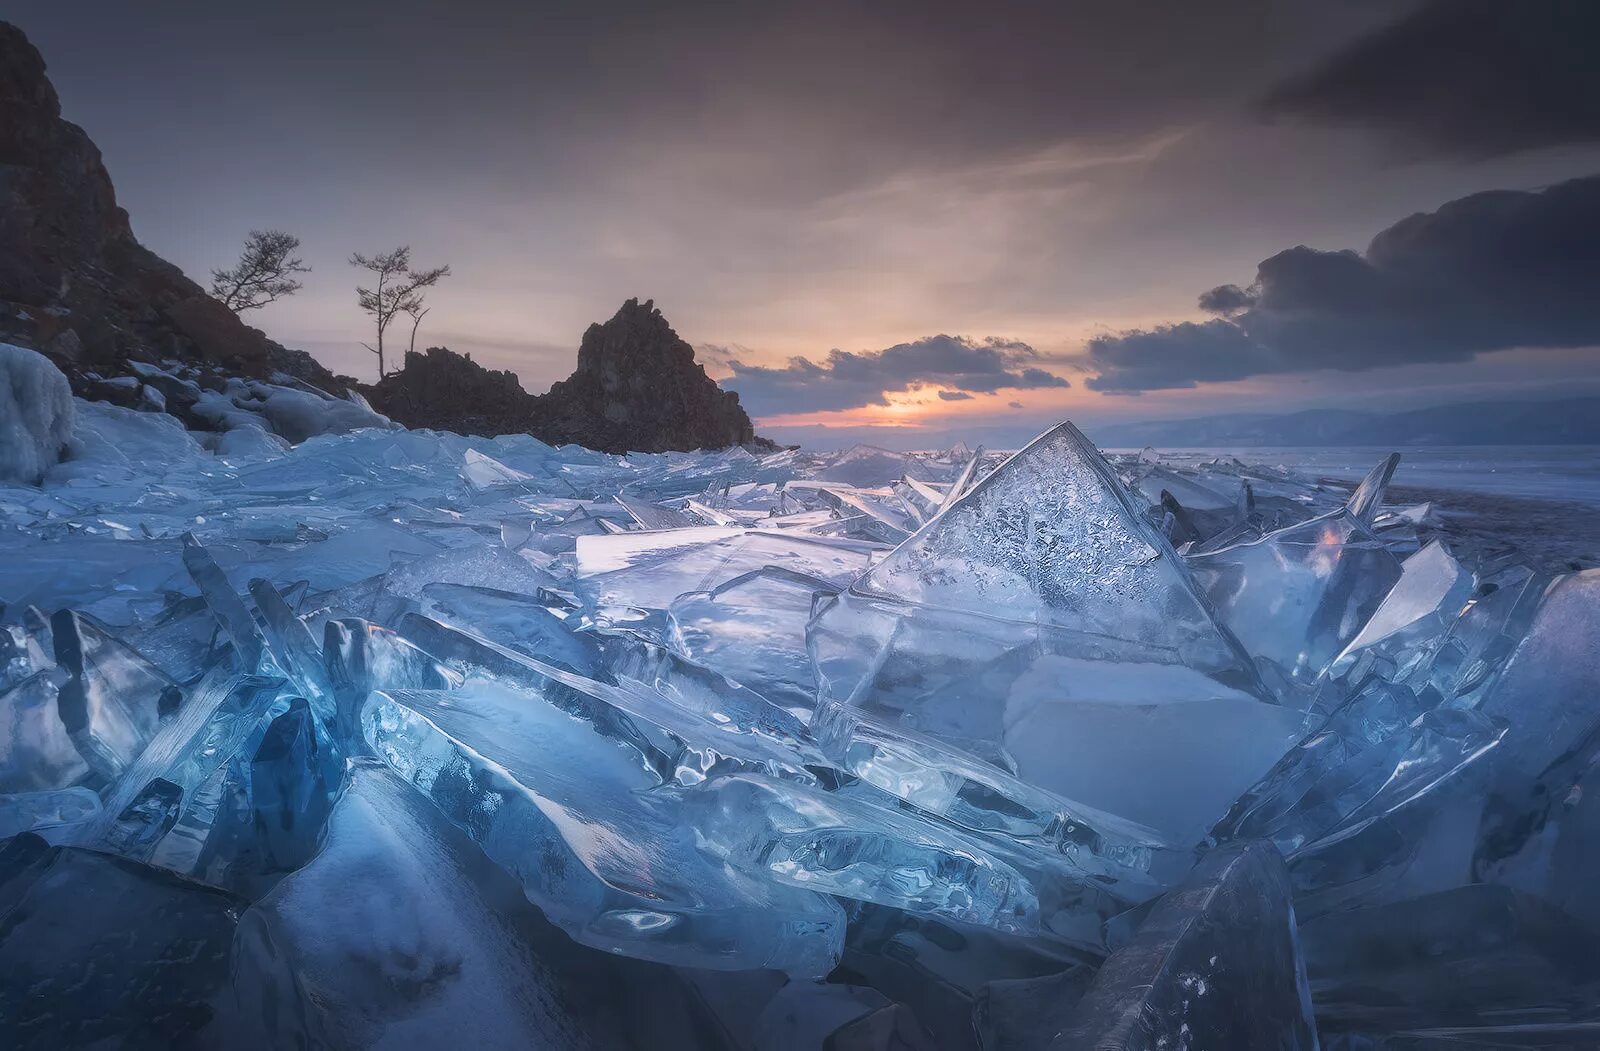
(262, 275)
(416, 319)
(398, 290)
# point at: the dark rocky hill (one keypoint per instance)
(637, 387)
(74, 283)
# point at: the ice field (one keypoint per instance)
(396, 737)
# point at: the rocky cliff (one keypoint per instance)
(74, 283)
(637, 388)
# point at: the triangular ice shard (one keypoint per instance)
(999, 666)
(1052, 537)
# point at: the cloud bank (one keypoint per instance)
(961, 367)
(1470, 78)
(1491, 271)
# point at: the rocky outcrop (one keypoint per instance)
(450, 392)
(74, 282)
(637, 388)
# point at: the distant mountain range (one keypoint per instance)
(1572, 421)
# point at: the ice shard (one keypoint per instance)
(36, 751)
(571, 814)
(232, 615)
(1549, 690)
(753, 630)
(515, 621)
(1040, 613)
(54, 814)
(654, 584)
(360, 657)
(275, 804)
(1216, 964)
(112, 699)
(855, 846)
(292, 647)
(439, 947)
(1297, 597)
(689, 727)
(1431, 592)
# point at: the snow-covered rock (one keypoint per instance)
(36, 414)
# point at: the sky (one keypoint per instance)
(897, 222)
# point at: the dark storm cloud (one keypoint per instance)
(851, 381)
(1473, 78)
(1492, 271)
(954, 395)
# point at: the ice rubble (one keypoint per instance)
(868, 750)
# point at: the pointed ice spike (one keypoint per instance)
(1368, 498)
(963, 480)
(1216, 964)
(111, 704)
(570, 814)
(226, 606)
(1432, 589)
(292, 646)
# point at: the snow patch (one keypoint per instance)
(36, 414)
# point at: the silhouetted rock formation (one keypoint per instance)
(451, 392)
(637, 388)
(74, 283)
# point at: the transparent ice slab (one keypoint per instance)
(1297, 597)
(1216, 964)
(656, 583)
(1052, 537)
(112, 700)
(753, 630)
(570, 813)
(867, 848)
(439, 947)
(36, 752)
